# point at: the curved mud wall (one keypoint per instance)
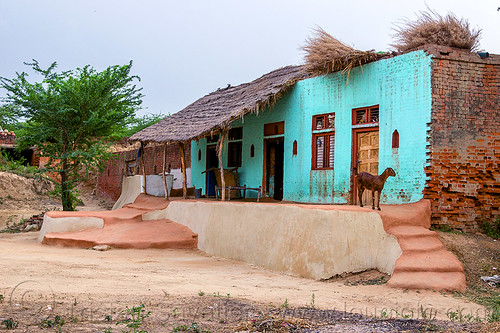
(131, 188)
(307, 242)
(66, 224)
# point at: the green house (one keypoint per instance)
(299, 136)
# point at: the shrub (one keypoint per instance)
(18, 167)
(492, 228)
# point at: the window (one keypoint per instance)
(367, 115)
(234, 154)
(294, 148)
(323, 141)
(252, 151)
(132, 167)
(234, 147)
(324, 121)
(235, 133)
(274, 128)
(212, 139)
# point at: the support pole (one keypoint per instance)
(183, 167)
(220, 145)
(165, 187)
(143, 167)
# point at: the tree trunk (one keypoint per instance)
(183, 167)
(220, 145)
(143, 167)
(165, 187)
(65, 190)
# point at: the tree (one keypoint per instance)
(71, 115)
(8, 118)
(139, 123)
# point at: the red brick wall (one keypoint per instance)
(7, 137)
(110, 181)
(464, 148)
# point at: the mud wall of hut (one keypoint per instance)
(464, 144)
(110, 181)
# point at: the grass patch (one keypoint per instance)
(19, 167)
(491, 228)
(13, 228)
(480, 256)
(446, 228)
(194, 327)
(369, 282)
(487, 297)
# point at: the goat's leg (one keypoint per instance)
(373, 199)
(378, 200)
(360, 195)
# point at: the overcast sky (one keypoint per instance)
(183, 49)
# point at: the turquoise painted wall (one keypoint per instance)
(401, 86)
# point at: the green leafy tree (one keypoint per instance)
(8, 117)
(71, 115)
(139, 123)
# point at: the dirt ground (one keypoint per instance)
(80, 290)
(21, 198)
(90, 285)
(480, 253)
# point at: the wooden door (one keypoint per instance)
(366, 154)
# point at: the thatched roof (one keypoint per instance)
(432, 28)
(325, 55)
(214, 112)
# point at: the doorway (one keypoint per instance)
(365, 157)
(273, 167)
(212, 162)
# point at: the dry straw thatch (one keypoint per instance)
(325, 54)
(214, 112)
(432, 28)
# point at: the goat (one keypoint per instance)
(373, 183)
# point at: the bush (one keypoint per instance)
(492, 228)
(18, 167)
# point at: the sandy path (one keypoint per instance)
(74, 273)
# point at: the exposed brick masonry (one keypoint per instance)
(464, 138)
(7, 138)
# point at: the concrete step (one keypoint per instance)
(434, 261)
(420, 244)
(429, 280)
(425, 263)
(159, 234)
(406, 231)
(109, 216)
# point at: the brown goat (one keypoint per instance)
(373, 183)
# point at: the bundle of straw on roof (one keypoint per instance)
(432, 28)
(325, 54)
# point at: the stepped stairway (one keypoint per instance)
(124, 228)
(424, 262)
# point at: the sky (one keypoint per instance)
(183, 50)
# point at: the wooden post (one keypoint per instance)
(183, 167)
(165, 187)
(220, 145)
(143, 166)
